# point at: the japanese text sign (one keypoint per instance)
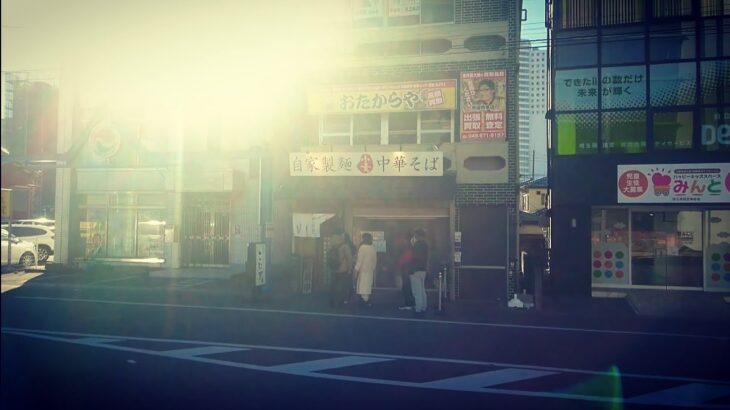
(378, 164)
(674, 183)
(483, 105)
(393, 97)
(308, 225)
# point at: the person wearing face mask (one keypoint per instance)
(419, 266)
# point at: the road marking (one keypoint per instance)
(189, 283)
(370, 317)
(474, 382)
(326, 364)
(97, 340)
(688, 395)
(292, 369)
(201, 351)
(110, 280)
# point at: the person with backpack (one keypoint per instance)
(339, 262)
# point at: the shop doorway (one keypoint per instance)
(391, 238)
(666, 249)
(205, 238)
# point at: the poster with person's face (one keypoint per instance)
(483, 105)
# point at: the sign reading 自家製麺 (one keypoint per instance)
(390, 97)
(343, 164)
(673, 183)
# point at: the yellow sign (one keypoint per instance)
(392, 97)
(6, 203)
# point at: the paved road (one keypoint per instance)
(100, 343)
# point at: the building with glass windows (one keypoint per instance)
(413, 127)
(640, 144)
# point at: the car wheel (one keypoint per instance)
(27, 260)
(43, 253)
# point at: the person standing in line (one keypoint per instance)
(353, 281)
(419, 266)
(404, 268)
(367, 260)
(339, 257)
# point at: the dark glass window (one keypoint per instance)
(624, 132)
(715, 129)
(622, 45)
(673, 130)
(671, 8)
(623, 87)
(435, 127)
(672, 41)
(577, 133)
(672, 84)
(576, 48)
(715, 38)
(576, 89)
(715, 78)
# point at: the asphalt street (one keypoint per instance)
(136, 342)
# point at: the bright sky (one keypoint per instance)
(534, 27)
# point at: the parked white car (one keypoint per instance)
(40, 235)
(22, 252)
(37, 221)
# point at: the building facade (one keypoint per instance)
(639, 176)
(413, 128)
(532, 94)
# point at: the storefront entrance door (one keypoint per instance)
(205, 231)
(666, 248)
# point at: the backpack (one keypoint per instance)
(333, 258)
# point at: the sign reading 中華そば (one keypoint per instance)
(378, 164)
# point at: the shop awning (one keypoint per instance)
(443, 187)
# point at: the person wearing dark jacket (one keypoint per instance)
(419, 266)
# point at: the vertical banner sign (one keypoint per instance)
(483, 105)
(260, 264)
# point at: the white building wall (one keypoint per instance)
(532, 95)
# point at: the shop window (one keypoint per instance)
(715, 78)
(335, 130)
(620, 45)
(623, 87)
(93, 230)
(717, 267)
(671, 8)
(673, 130)
(402, 128)
(577, 13)
(121, 235)
(715, 129)
(672, 84)
(577, 133)
(576, 90)
(366, 129)
(624, 132)
(436, 127)
(151, 234)
(610, 246)
(575, 48)
(672, 41)
(622, 11)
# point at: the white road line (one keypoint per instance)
(688, 395)
(349, 353)
(326, 364)
(539, 394)
(488, 379)
(109, 280)
(97, 340)
(370, 317)
(188, 283)
(201, 351)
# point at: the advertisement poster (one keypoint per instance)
(483, 105)
(377, 164)
(674, 183)
(389, 97)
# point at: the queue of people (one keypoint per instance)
(353, 271)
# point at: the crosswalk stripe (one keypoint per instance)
(326, 364)
(200, 351)
(487, 379)
(692, 394)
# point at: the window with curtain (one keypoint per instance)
(577, 13)
(671, 8)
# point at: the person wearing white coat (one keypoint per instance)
(367, 259)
